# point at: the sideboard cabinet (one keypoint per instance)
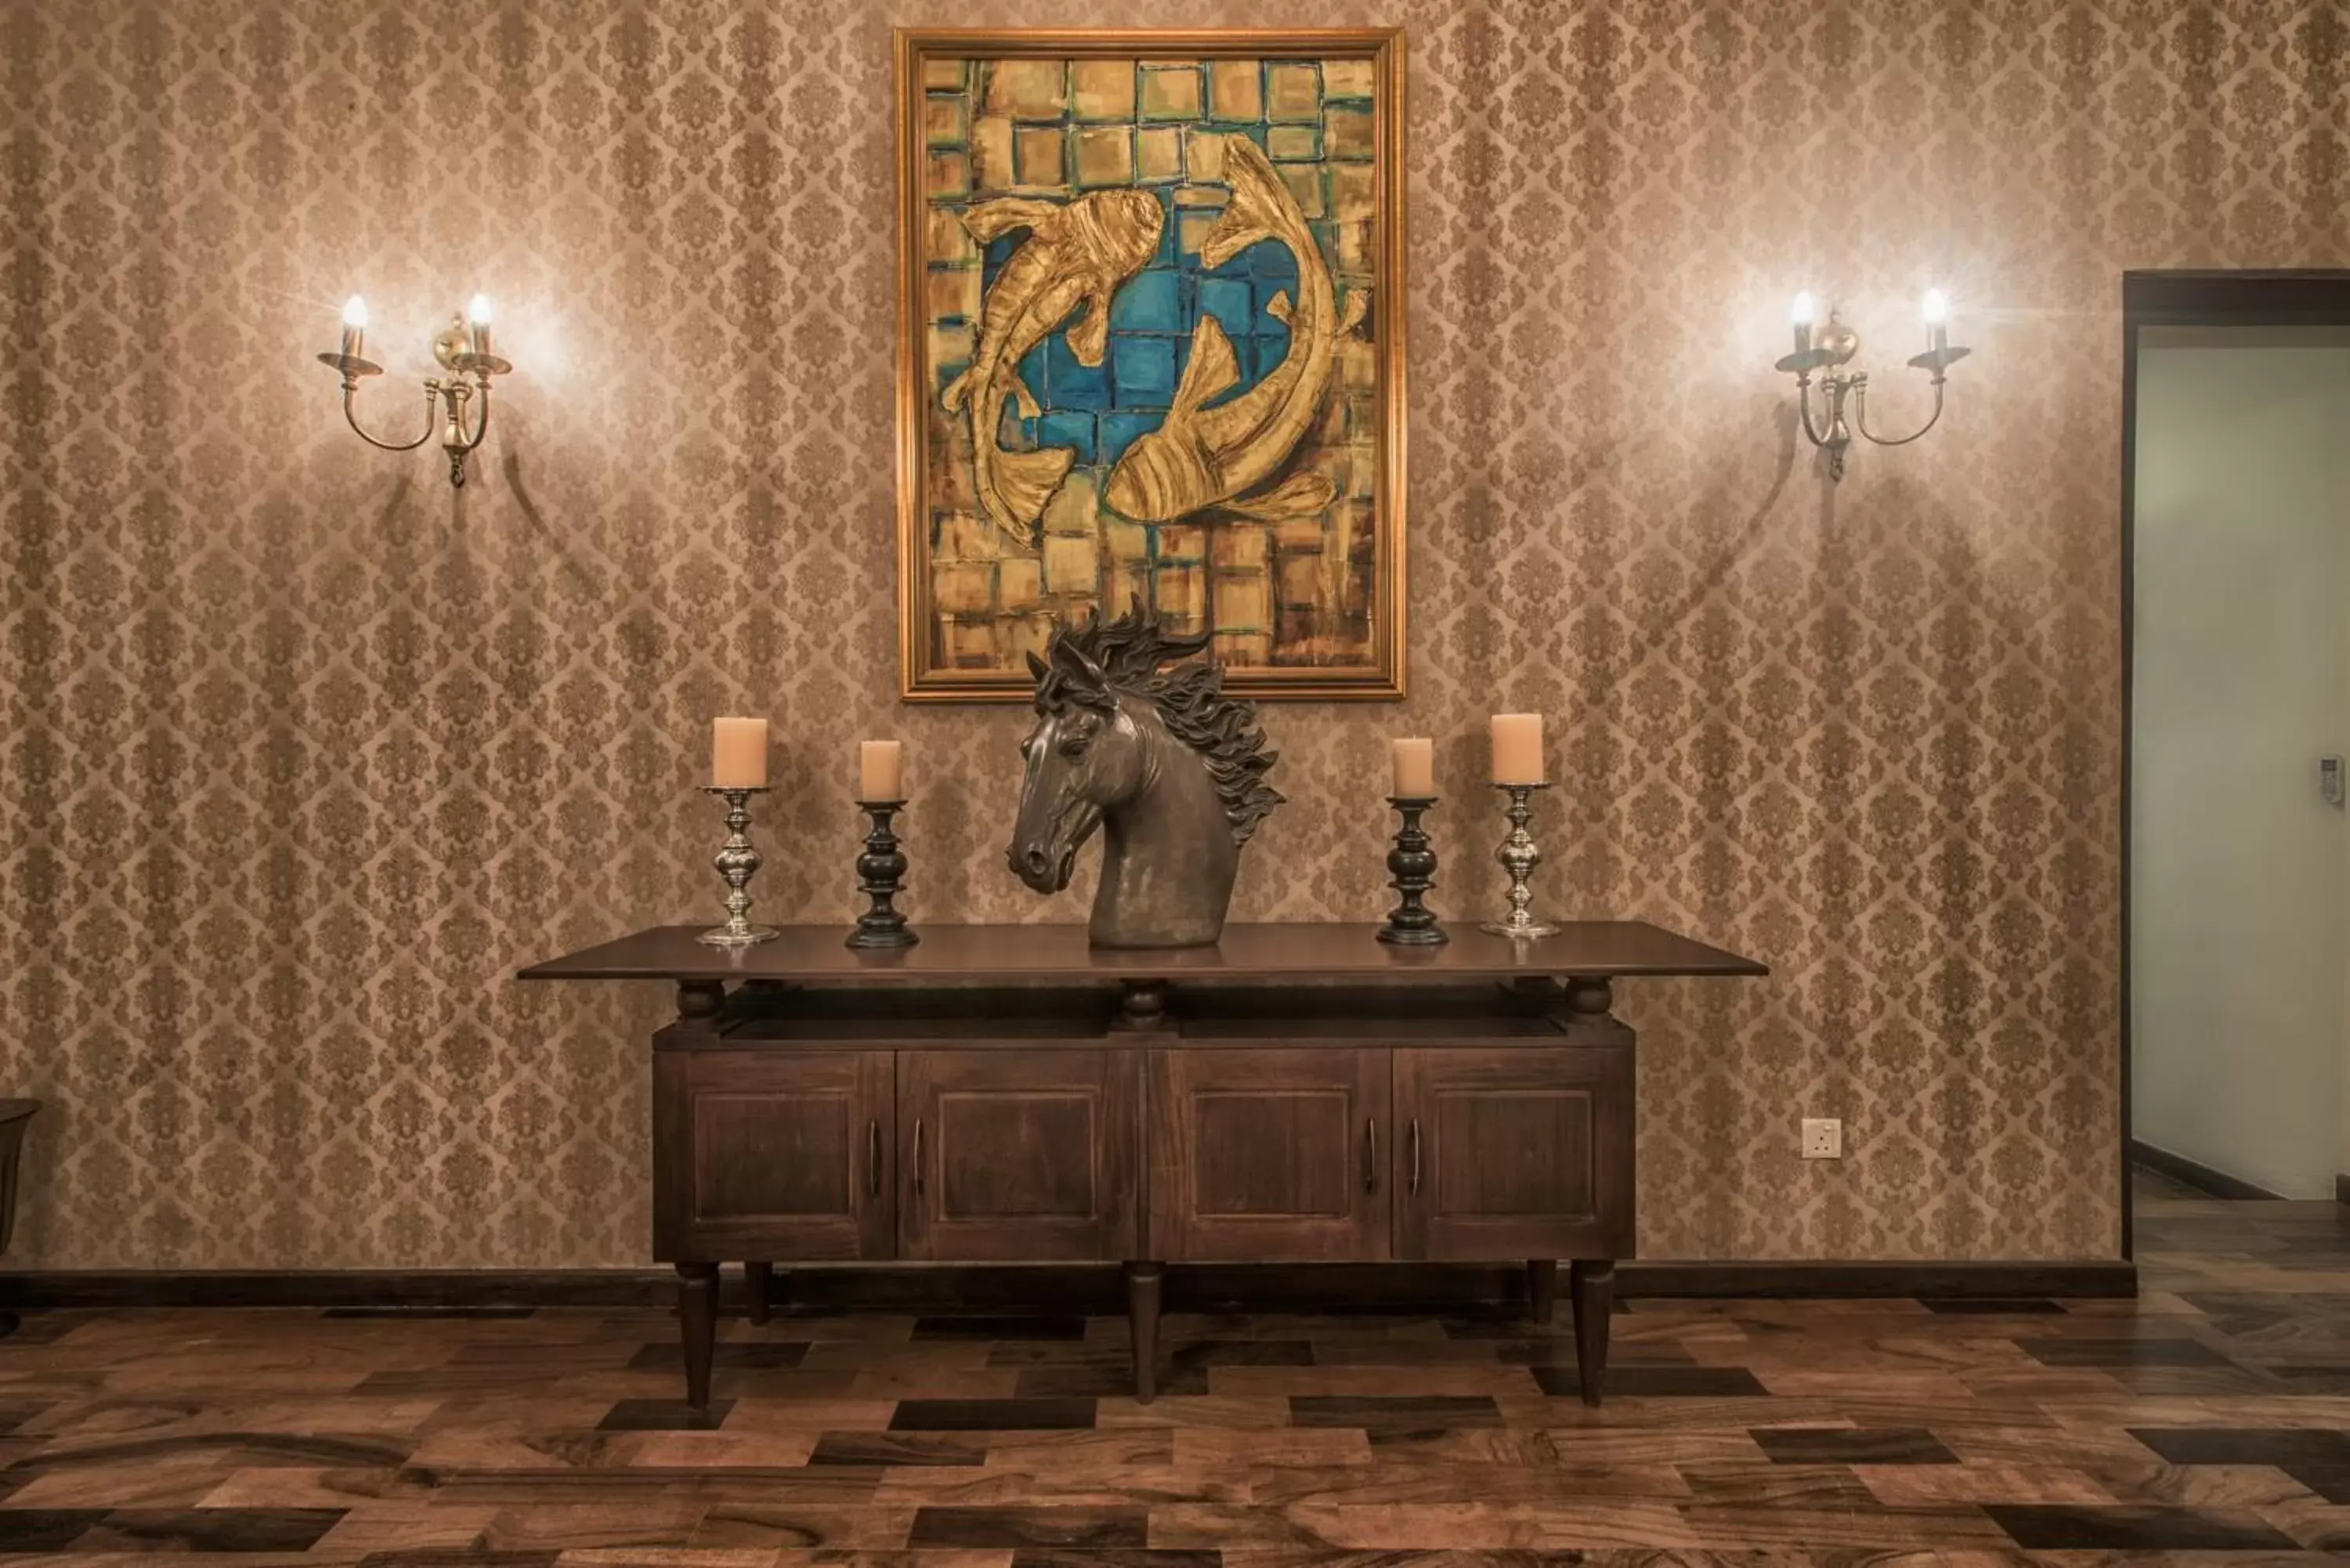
(1296, 1102)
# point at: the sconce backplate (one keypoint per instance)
(1836, 343)
(453, 346)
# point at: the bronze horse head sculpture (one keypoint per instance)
(1170, 768)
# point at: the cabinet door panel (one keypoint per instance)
(1514, 1152)
(1268, 1154)
(773, 1154)
(1027, 1154)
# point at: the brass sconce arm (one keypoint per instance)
(1937, 361)
(352, 369)
(1860, 417)
(1803, 405)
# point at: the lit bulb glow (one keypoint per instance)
(477, 325)
(354, 331)
(1801, 313)
(1937, 307)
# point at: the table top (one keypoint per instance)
(816, 955)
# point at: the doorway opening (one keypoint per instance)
(2236, 612)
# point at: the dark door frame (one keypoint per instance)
(2310, 298)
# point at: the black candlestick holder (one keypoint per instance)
(880, 871)
(1413, 862)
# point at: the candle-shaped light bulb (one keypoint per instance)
(1938, 320)
(354, 327)
(1800, 315)
(477, 317)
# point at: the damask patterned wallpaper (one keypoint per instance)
(301, 755)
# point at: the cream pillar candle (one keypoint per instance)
(1414, 769)
(881, 770)
(1518, 749)
(738, 754)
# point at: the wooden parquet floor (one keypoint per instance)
(2206, 1422)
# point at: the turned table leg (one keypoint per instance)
(15, 1115)
(1142, 1313)
(756, 1278)
(1542, 1287)
(697, 1323)
(1592, 1283)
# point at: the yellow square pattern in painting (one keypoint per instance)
(1171, 91)
(942, 121)
(1102, 90)
(1203, 154)
(991, 155)
(1293, 143)
(1295, 91)
(947, 176)
(1105, 156)
(1158, 152)
(1237, 91)
(1025, 89)
(1040, 149)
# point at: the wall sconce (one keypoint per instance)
(1831, 347)
(462, 348)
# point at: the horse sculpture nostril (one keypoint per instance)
(1034, 858)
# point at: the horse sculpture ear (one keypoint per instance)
(1038, 668)
(1075, 662)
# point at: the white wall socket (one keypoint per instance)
(1823, 1137)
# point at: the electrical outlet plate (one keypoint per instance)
(1823, 1137)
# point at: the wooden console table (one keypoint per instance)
(1008, 1094)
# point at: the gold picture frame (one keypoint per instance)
(1137, 413)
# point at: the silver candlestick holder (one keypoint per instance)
(1519, 856)
(736, 860)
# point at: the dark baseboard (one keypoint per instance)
(1997, 1279)
(2198, 1176)
(1068, 1287)
(420, 1290)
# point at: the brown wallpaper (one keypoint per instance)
(301, 754)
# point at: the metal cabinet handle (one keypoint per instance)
(1414, 1156)
(918, 1156)
(873, 1158)
(1370, 1154)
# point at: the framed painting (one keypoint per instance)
(1151, 349)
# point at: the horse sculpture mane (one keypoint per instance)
(1090, 664)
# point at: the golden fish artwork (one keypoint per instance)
(1074, 257)
(1151, 308)
(1203, 456)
